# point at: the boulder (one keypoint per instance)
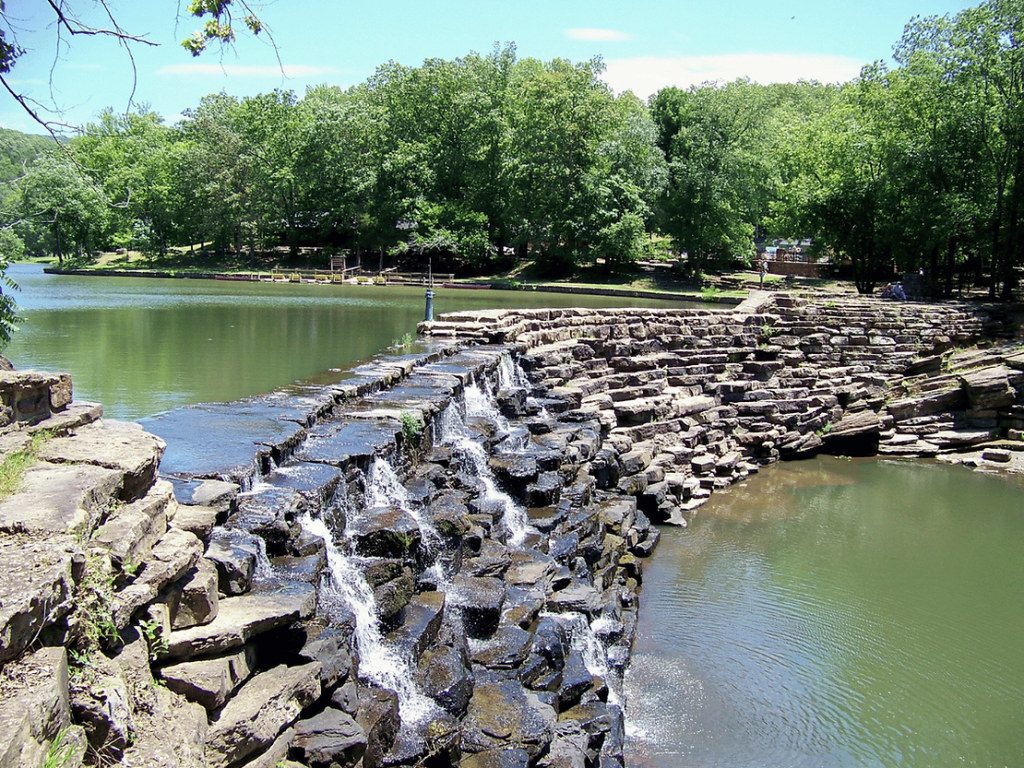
(503, 715)
(36, 589)
(132, 530)
(385, 532)
(195, 597)
(242, 618)
(989, 387)
(60, 499)
(333, 650)
(172, 557)
(420, 625)
(35, 707)
(507, 648)
(198, 520)
(234, 552)
(102, 704)
(443, 676)
(378, 716)
(210, 682)
(270, 512)
(328, 740)
(479, 601)
(124, 448)
(261, 709)
(170, 733)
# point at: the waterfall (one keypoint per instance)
(582, 638)
(383, 489)
(263, 571)
(452, 431)
(378, 663)
(511, 373)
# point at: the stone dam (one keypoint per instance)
(436, 561)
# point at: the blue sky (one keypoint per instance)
(646, 44)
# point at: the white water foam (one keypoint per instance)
(452, 431)
(582, 638)
(383, 489)
(378, 662)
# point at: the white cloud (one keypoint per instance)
(297, 71)
(646, 76)
(596, 35)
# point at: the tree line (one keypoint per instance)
(484, 159)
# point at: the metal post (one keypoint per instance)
(429, 314)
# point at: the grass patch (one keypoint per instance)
(13, 465)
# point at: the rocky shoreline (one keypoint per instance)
(491, 496)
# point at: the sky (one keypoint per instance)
(646, 45)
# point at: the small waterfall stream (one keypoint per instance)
(378, 662)
(451, 430)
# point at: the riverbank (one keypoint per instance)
(324, 279)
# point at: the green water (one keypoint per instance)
(837, 613)
(144, 346)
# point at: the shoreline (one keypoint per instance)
(634, 293)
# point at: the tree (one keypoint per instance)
(713, 139)
(974, 62)
(127, 156)
(59, 199)
(68, 23)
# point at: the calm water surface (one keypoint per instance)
(144, 346)
(837, 613)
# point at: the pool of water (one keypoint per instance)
(836, 613)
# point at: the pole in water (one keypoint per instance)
(428, 316)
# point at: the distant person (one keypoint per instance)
(763, 269)
(898, 293)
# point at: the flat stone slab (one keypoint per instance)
(133, 530)
(239, 619)
(35, 589)
(336, 443)
(211, 681)
(60, 498)
(241, 429)
(112, 445)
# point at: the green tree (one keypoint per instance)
(63, 203)
(714, 140)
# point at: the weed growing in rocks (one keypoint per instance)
(13, 466)
(412, 427)
(156, 641)
(94, 601)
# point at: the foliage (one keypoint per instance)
(156, 641)
(481, 161)
(94, 606)
(14, 464)
(61, 751)
(412, 427)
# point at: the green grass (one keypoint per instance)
(13, 465)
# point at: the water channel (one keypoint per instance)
(823, 613)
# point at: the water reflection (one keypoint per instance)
(144, 346)
(859, 613)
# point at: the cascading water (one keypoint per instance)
(378, 663)
(384, 489)
(452, 431)
(582, 638)
(511, 374)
